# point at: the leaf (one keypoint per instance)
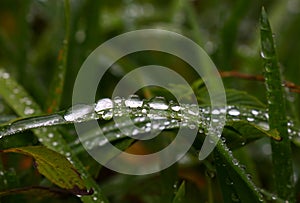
(233, 96)
(239, 133)
(281, 152)
(180, 194)
(242, 98)
(235, 183)
(57, 85)
(55, 167)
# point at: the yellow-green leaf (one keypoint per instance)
(55, 167)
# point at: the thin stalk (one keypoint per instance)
(57, 85)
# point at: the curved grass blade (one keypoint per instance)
(22, 103)
(281, 151)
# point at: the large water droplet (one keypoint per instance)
(78, 112)
(134, 102)
(104, 104)
(233, 112)
(158, 103)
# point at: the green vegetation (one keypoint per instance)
(254, 46)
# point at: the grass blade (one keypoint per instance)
(281, 151)
(57, 85)
(235, 182)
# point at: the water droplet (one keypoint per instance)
(233, 112)
(104, 104)
(4, 75)
(274, 197)
(50, 135)
(54, 144)
(28, 110)
(227, 180)
(158, 103)
(250, 119)
(235, 197)
(210, 173)
(175, 107)
(95, 198)
(107, 115)
(133, 102)
(215, 112)
(235, 162)
(78, 112)
(254, 112)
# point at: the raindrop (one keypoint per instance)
(234, 197)
(235, 162)
(50, 135)
(104, 104)
(133, 102)
(254, 112)
(175, 108)
(78, 112)
(28, 110)
(233, 112)
(158, 103)
(215, 112)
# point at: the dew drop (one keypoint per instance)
(28, 110)
(175, 108)
(104, 104)
(158, 103)
(78, 112)
(235, 162)
(250, 119)
(50, 135)
(234, 197)
(215, 112)
(134, 102)
(233, 112)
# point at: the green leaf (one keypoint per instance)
(180, 194)
(281, 151)
(55, 167)
(235, 183)
(57, 85)
(239, 133)
(242, 98)
(233, 96)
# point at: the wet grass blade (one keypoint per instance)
(235, 183)
(57, 85)
(23, 104)
(281, 151)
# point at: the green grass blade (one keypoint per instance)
(281, 151)
(57, 85)
(180, 194)
(22, 103)
(235, 182)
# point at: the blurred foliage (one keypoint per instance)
(31, 37)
